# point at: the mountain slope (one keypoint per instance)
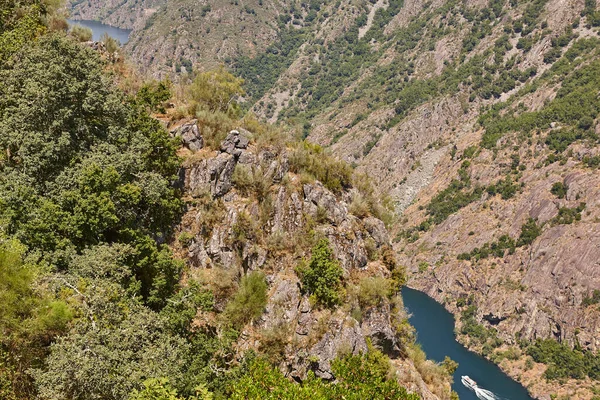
(479, 119)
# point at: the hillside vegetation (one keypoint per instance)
(129, 269)
(479, 120)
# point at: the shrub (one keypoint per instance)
(450, 200)
(529, 232)
(311, 159)
(154, 94)
(217, 90)
(249, 302)
(373, 291)
(593, 299)
(81, 33)
(568, 215)
(360, 376)
(112, 44)
(185, 238)
(563, 361)
(449, 365)
(505, 188)
(559, 189)
(322, 278)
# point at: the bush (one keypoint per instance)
(251, 180)
(591, 300)
(249, 302)
(505, 188)
(564, 362)
(559, 189)
(217, 90)
(568, 215)
(529, 232)
(373, 291)
(496, 249)
(361, 376)
(185, 238)
(322, 278)
(81, 33)
(153, 95)
(450, 200)
(311, 159)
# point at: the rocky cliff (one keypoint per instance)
(250, 209)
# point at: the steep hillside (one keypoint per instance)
(254, 208)
(479, 119)
(176, 36)
(129, 14)
(221, 258)
(414, 107)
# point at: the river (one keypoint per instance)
(435, 334)
(99, 29)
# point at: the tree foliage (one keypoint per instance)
(217, 90)
(322, 277)
(249, 301)
(361, 376)
(98, 173)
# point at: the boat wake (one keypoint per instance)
(482, 394)
(486, 394)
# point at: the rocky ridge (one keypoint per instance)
(278, 226)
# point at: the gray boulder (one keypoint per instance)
(190, 135)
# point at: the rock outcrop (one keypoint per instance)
(190, 135)
(279, 215)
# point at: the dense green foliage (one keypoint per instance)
(362, 376)
(99, 173)
(450, 200)
(559, 189)
(322, 277)
(29, 319)
(563, 361)
(529, 232)
(18, 28)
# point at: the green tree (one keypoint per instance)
(21, 21)
(115, 346)
(216, 90)
(529, 232)
(99, 173)
(322, 278)
(160, 389)
(360, 376)
(81, 33)
(29, 320)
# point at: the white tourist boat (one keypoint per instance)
(468, 382)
